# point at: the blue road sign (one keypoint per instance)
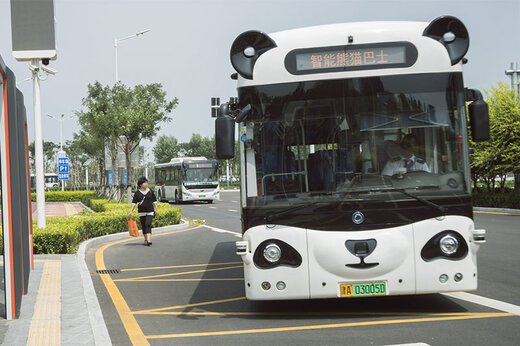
(109, 177)
(125, 179)
(63, 168)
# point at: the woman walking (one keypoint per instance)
(147, 208)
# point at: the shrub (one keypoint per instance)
(64, 196)
(497, 199)
(63, 234)
(56, 238)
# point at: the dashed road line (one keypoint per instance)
(233, 210)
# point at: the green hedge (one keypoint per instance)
(63, 234)
(497, 199)
(65, 196)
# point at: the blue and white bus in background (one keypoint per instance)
(186, 179)
(355, 176)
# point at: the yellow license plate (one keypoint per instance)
(363, 289)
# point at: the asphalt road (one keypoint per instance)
(187, 289)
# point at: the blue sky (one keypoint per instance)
(188, 48)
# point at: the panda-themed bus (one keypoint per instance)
(354, 159)
(186, 179)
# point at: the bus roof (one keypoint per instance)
(270, 67)
(180, 160)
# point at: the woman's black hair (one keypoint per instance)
(141, 180)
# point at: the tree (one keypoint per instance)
(100, 124)
(139, 111)
(49, 156)
(499, 155)
(166, 148)
(77, 160)
(200, 146)
(119, 117)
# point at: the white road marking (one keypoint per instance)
(220, 230)
(212, 207)
(491, 303)
(234, 201)
(233, 210)
(412, 344)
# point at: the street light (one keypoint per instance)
(60, 119)
(117, 40)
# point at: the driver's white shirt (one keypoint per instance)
(399, 162)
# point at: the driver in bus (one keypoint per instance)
(407, 159)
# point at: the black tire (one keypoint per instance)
(210, 201)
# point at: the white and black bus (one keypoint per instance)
(187, 179)
(354, 159)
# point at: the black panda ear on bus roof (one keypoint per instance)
(247, 48)
(452, 33)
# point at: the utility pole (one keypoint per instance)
(513, 73)
(39, 172)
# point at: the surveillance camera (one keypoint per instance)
(34, 68)
(45, 62)
(49, 70)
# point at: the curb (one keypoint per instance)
(97, 322)
(498, 210)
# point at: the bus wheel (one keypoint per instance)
(210, 201)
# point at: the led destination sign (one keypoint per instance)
(351, 57)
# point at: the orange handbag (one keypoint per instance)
(132, 228)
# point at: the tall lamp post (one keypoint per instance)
(116, 42)
(60, 120)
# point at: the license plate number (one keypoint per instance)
(363, 289)
(202, 196)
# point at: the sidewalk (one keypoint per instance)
(54, 311)
(58, 209)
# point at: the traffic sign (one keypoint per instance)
(63, 168)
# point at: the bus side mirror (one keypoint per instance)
(225, 137)
(479, 120)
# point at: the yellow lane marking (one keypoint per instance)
(494, 212)
(46, 321)
(318, 313)
(182, 280)
(132, 328)
(175, 274)
(191, 305)
(180, 266)
(328, 326)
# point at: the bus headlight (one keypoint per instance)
(272, 253)
(449, 244)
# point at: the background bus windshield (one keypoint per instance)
(327, 138)
(197, 174)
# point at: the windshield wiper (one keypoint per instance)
(417, 198)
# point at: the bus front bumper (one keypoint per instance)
(394, 257)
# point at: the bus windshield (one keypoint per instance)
(341, 138)
(201, 174)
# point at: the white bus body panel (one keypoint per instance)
(270, 66)
(324, 259)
